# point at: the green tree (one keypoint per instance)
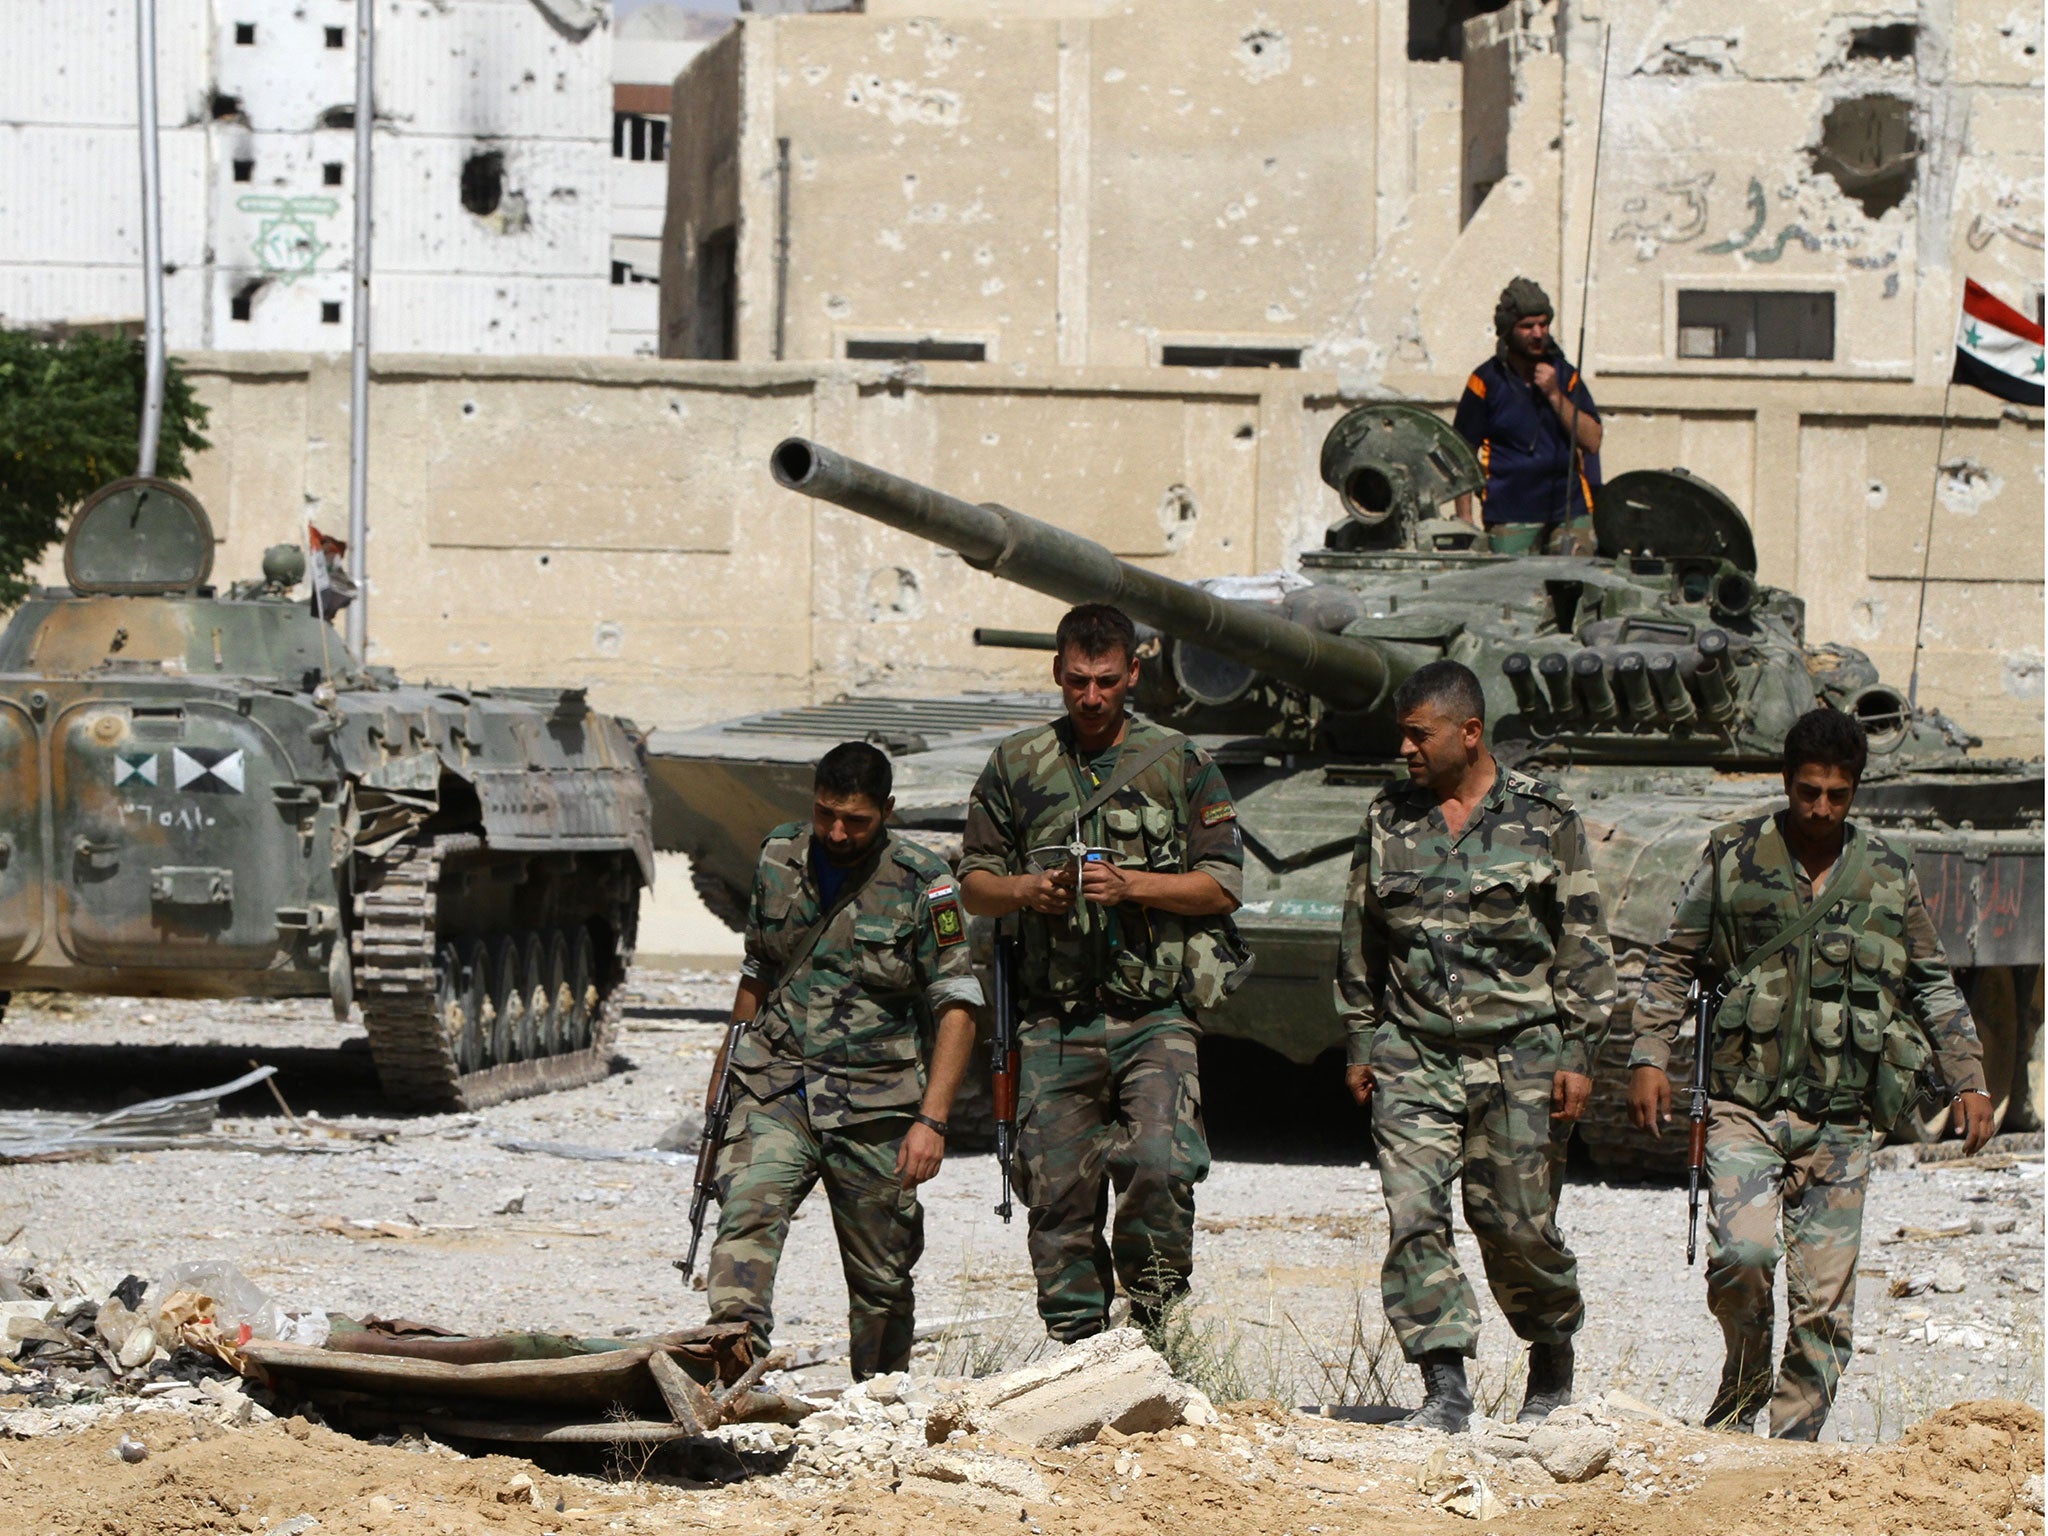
(70, 417)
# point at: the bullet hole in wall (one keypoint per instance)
(338, 117)
(1869, 145)
(243, 301)
(224, 106)
(483, 182)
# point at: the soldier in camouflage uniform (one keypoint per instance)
(1474, 976)
(829, 1079)
(1815, 1052)
(1108, 1090)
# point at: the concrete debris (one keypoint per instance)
(1573, 1454)
(949, 1472)
(1113, 1380)
(129, 1449)
(1948, 1277)
(1470, 1498)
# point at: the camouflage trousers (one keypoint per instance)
(765, 1169)
(1572, 538)
(1479, 1112)
(1107, 1103)
(1768, 1172)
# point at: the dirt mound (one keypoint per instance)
(1964, 1469)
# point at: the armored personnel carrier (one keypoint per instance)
(1653, 681)
(211, 797)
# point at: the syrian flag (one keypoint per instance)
(1998, 349)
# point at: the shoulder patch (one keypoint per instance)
(1532, 788)
(1215, 815)
(1477, 385)
(949, 923)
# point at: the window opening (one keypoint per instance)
(330, 312)
(1767, 326)
(483, 182)
(1193, 356)
(245, 34)
(921, 349)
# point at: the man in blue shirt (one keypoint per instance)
(1533, 423)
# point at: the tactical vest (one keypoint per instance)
(1808, 1027)
(1137, 954)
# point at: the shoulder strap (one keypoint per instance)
(1847, 873)
(1128, 768)
(807, 944)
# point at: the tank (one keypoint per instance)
(1653, 681)
(213, 798)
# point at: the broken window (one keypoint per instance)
(1888, 43)
(1229, 357)
(245, 34)
(718, 294)
(1870, 147)
(243, 300)
(920, 349)
(483, 182)
(1436, 28)
(638, 136)
(1752, 323)
(330, 312)
(330, 173)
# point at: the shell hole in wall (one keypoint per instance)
(1869, 145)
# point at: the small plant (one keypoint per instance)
(1211, 1354)
(1371, 1371)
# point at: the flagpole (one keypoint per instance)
(1927, 550)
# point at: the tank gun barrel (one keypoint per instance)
(1351, 674)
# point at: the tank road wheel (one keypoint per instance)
(581, 981)
(459, 1023)
(456, 1004)
(508, 1001)
(540, 1009)
(1993, 995)
(554, 977)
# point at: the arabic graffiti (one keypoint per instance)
(1683, 219)
(287, 244)
(1744, 241)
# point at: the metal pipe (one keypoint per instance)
(1596, 691)
(1714, 678)
(1017, 639)
(1351, 674)
(359, 360)
(781, 246)
(1556, 672)
(152, 241)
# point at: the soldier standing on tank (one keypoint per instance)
(1530, 418)
(1109, 1095)
(1799, 1087)
(829, 1080)
(1474, 977)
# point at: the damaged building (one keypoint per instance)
(512, 137)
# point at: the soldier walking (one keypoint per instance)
(855, 939)
(1835, 990)
(1474, 976)
(1108, 1090)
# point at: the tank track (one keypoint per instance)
(397, 983)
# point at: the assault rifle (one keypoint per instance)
(1696, 1154)
(1002, 1058)
(715, 1121)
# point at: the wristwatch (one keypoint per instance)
(936, 1125)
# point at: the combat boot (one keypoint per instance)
(1550, 1381)
(1446, 1400)
(1737, 1403)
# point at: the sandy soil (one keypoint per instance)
(414, 1222)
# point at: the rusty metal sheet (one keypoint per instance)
(593, 1380)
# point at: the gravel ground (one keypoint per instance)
(1291, 1226)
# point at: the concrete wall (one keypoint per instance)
(612, 522)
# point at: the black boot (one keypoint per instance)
(1737, 1403)
(1446, 1400)
(1550, 1381)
